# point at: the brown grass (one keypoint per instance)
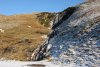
(18, 42)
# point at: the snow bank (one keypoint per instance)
(12, 63)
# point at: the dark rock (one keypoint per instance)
(62, 16)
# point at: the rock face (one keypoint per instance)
(75, 37)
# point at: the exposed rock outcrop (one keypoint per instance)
(45, 18)
(75, 37)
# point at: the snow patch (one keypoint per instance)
(13, 63)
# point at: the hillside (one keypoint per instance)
(21, 34)
(75, 37)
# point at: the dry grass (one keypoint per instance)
(18, 42)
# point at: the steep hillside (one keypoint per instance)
(75, 37)
(20, 35)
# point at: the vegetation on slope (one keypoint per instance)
(22, 34)
(45, 18)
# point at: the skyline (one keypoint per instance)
(12, 7)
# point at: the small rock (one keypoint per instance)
(1, 30)
(44, 36)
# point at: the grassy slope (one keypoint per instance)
(19, 40)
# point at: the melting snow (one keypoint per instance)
(12, 63)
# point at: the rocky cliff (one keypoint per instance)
(75, 37)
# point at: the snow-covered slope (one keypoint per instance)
(75, 37)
